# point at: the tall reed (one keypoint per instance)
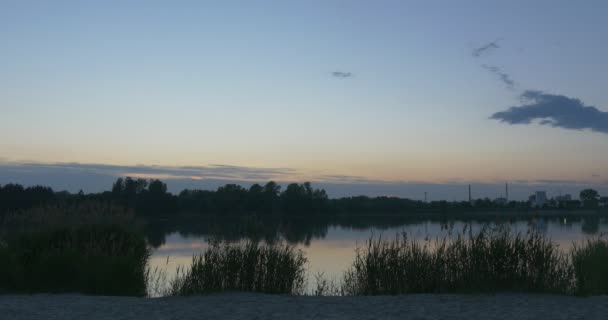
(247, 267)
(85, 249)
(493, 260)
(590, 262)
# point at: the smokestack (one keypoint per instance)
(470, 194)
(425, 196)
(507, 192)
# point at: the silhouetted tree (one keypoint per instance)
(16, 197)
(157, 187)
(271, 192)
(255, 198)
(151, 197)
(302, 198)
(230, 198)
(589, 198)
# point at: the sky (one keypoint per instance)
(362, 97)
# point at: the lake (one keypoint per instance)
(329, 244)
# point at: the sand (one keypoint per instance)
(259, 306)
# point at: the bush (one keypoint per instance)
(249, 267)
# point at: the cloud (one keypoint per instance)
(556, 111)
(486, 48)
(342, 74)
(215, 171)
(502, 76)
(558, 182)
(349, 179)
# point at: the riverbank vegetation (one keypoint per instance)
(98, 247)
(151, 198)
(89, 248)
(249, 267)
(490, 261)
(590, 263)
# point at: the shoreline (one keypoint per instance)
(233, 306)
(414, 215)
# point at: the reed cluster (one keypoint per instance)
(590, 263)
(251, 267)
(84, 249)
(491, 261)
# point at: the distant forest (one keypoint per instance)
(150, 197)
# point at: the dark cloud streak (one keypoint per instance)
(486, 48)
(203, 172)
(556, 111)
(502, 76)
(341, 74)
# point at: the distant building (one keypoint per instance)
(538, 200)
(562, 200)
(541, 198)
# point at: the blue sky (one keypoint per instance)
(251, 84)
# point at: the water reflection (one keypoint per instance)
(329, 243)
(591, 225)
(302, 231)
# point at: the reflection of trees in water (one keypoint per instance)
(302, 230)
(538, 225)
(294, 231)
(591, 225)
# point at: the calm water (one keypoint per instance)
(330, 245)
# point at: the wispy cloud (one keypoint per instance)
(502, 76)
(349, 179)
(341, 74)
(555, 111)
(486, 48)
(214, 171)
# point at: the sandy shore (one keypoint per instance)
(258, 306)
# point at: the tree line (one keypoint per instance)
(150, 197)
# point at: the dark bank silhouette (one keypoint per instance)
(151, 198)
(16, 197)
